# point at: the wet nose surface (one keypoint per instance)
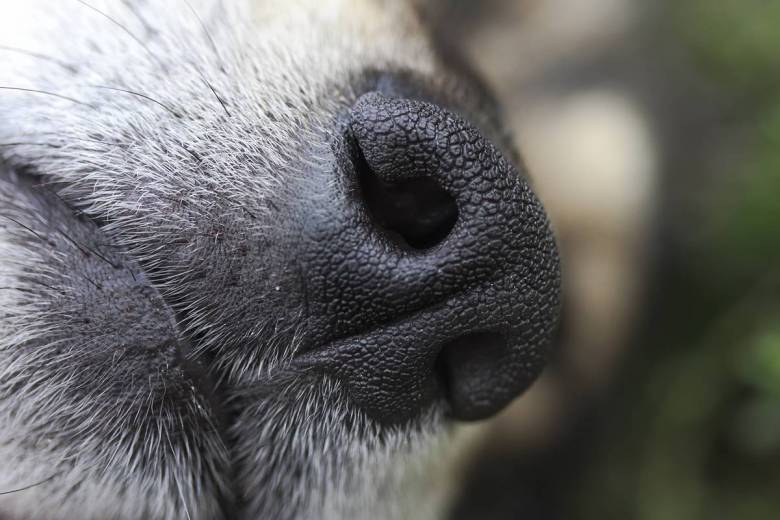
(431, 273)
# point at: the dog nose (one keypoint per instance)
(431, 271)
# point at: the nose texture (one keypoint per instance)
(431, 271)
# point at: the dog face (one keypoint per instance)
(256, 256)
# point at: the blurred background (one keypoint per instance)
(652, 133)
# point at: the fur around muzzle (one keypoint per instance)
(255, 256)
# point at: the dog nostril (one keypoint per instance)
(417, 212)
(467, 368)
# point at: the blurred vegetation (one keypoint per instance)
(746, 232)
(695, 430)
(735, 40)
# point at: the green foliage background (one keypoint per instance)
(696, 431)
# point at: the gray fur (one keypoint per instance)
(174, 124)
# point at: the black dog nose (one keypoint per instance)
(431, 271)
